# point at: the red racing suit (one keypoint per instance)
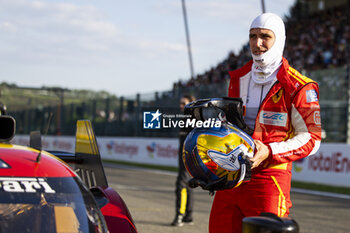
(289, 123)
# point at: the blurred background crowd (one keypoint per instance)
(314, 41)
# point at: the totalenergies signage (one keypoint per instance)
(330, 165)
(337, 162)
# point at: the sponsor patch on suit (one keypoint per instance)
(311, 96)
(277, 96)
(273, 118)
(317, 118)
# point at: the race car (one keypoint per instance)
(57, 192)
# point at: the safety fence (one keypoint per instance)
(123, 116)
(329, 166)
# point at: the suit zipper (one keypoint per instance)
(261, 103)
(261, 95)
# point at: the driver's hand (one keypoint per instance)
(262, 153)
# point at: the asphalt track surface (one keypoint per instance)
(150, 197)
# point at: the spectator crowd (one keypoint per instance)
(314, 41)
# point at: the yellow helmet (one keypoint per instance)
(216, 154)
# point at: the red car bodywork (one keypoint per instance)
(20, 162)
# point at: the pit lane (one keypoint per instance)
(150, 197)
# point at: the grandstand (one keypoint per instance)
(318, 38)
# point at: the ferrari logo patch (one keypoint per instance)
(277, 96)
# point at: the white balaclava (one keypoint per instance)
(267, 63)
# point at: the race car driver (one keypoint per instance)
(283, 109)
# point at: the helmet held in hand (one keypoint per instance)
(218, 157)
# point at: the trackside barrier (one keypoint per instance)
(330, 165)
